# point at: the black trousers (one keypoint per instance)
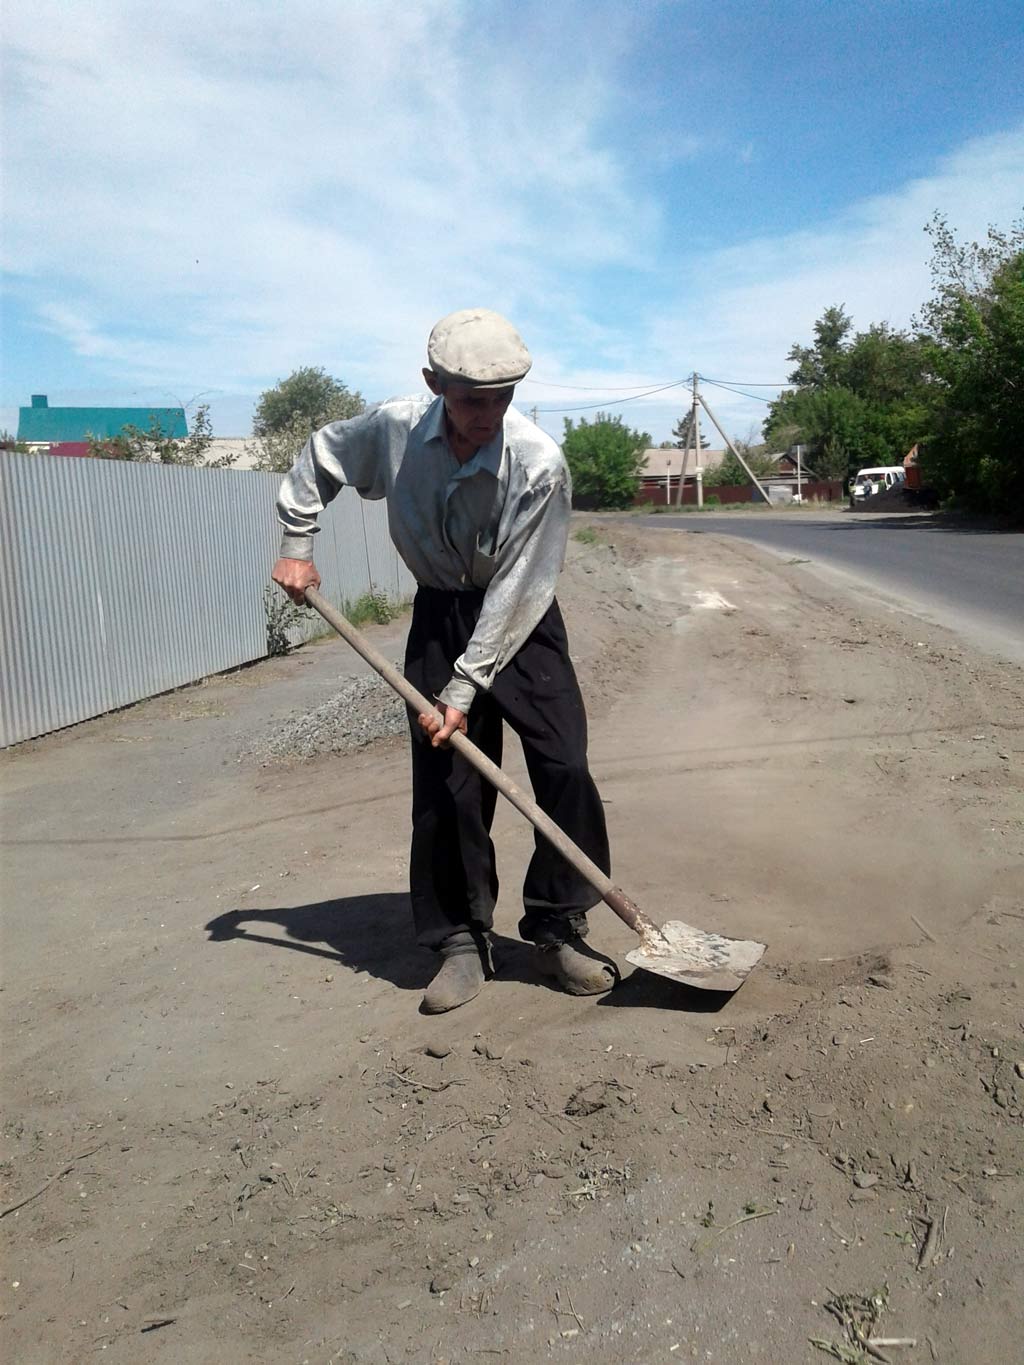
(453, 877)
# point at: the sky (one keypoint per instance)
(200, 198)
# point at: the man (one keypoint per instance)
(478, 506)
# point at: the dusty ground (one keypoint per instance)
(234, 1147)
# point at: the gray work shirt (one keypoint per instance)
(499, 522)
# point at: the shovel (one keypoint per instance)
(679, 951)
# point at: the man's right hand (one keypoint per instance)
(295, 576)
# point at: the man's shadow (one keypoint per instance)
(370, 933)
(373, 933)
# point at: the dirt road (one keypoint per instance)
(229, 1144)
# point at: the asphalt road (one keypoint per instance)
(969, 580)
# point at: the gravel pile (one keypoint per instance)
(364, 710)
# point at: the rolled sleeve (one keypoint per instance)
(351, 453)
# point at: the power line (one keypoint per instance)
(613, 402)
(596, 388)
(747, 383)
(729, 389)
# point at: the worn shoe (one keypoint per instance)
(578, 969)
(465, 968)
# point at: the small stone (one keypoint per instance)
(794, 1073)
(493, 1052)
(678, 1107)
(995, 1052)
(864, 1180)
(821, 1111)
(440, 1284)
(840, 1040)
(1019, 1068)
(863, 1196)
(438, 1050)
(555, 1170)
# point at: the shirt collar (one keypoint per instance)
(487, 458)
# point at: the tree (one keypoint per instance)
(605, 458)
(310, 393)
(731, 472)
(153, 447)
(684, 438)
(293, 409)
(860, 400)
(819, 364)
(973, 334)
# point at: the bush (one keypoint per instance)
(605, 458)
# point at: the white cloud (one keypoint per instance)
(204, 196)
(743, 308)
(259, 188)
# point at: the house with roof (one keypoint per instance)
(662, 466)
(66, 431)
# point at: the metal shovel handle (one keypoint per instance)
(614, 897)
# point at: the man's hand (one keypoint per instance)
(295, 576)
(442, 730)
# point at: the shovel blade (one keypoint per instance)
(710, 962)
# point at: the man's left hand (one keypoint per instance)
(441, 730)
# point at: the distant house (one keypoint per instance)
(66, 431)
(666, 463)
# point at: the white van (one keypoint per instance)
(871, 481)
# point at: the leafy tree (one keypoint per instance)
(310, 393)
(859, 400)
(731, 471)
(287, 414)
(820, 364)
(605, 458)
(973, 334)
(9, 442)
(153, 447)
(684, 439)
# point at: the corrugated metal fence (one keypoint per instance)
(119, 581)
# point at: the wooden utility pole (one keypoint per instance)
(693, 434)
(695, 428)
(721, 430)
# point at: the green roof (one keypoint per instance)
(40, 422)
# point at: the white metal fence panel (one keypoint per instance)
(119, 581)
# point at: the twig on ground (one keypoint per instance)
(64, 1170)
(713, 1233)
(928, 935)
(156, 1323)
(930, 1245)
(421, 1085)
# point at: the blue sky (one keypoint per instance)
(201, 198)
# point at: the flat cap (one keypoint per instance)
(478, 347)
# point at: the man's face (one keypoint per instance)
(474, 415)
